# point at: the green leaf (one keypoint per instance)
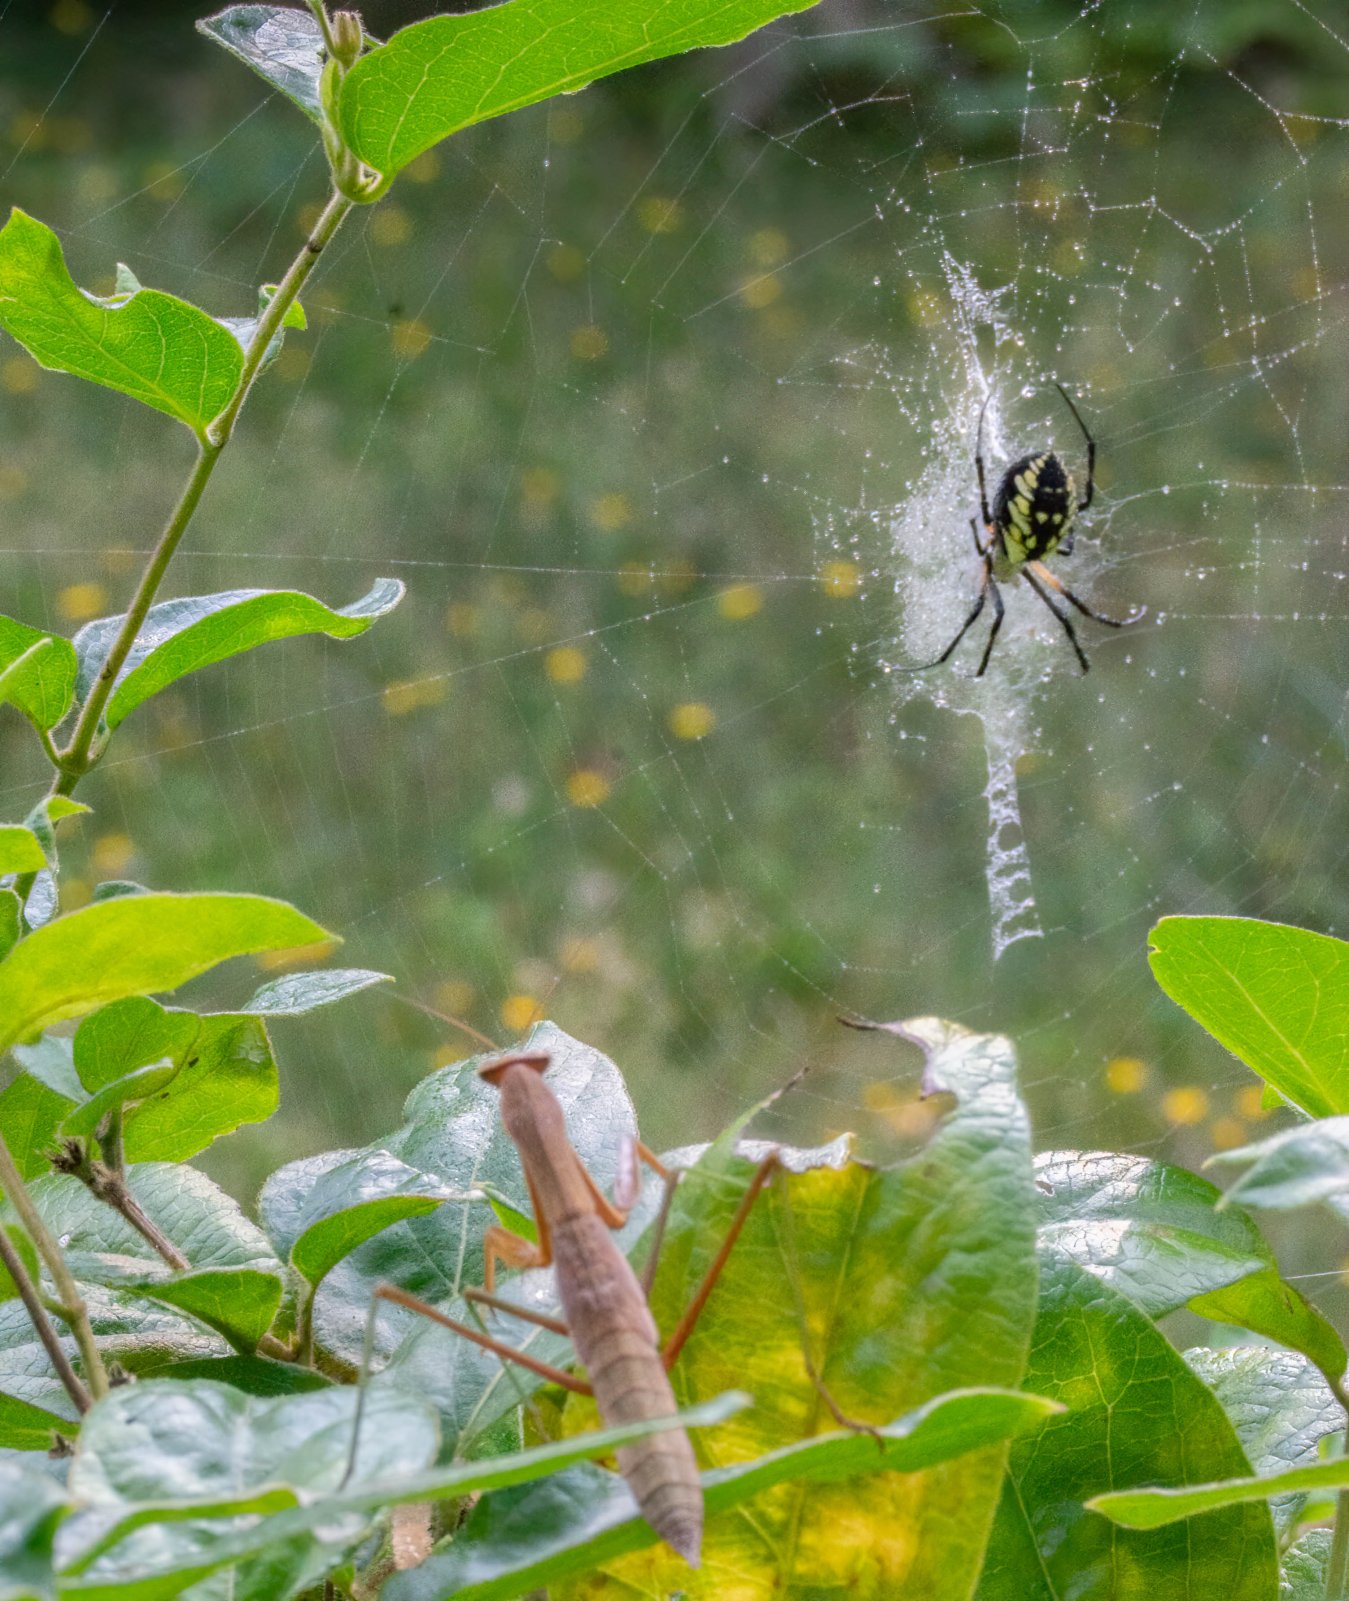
(234, 1283)
(11, 922)
(27, 1255)
(376, 1484)
(1155, 1507)
(1296, 1167)
(1279, 1405)
(135, 945)
(229, 1078)
(20, 851)
(129, 1034)
(897, 1285)
(517, 1541)
(31, 1507)
(1305, 1566)
(183, 636)
(1156, 1234)
(1275, 996)
(136, 1086)
(30, 1115)
(149, 345)
(37, 672)
(1135, 1411)
(298, 993)
(282, 45)
(32, 1400)
(448, 72)
(354, 1201)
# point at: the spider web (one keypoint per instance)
(663, 401)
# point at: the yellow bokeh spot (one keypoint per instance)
(566, 263)
(95, 183)
(660, 214)
(1344, 1271)
(296, 956)
(164, 181)
(519, 1011)
(19, 374)
(760, 291)
(455, 996)
(565, 124)
(589, 342)
(580, 956)
(75, 892)
(390, 226)
(409, 337)
(1249, 1103)
(307, 216)
(72, 17)
(840, 579)
(740, 601)
(565, 665)
(1125, 1075)
(1227, 1133)
(768, 247)
(461, 619)
(693, 720)
(539, 486)
(586, 787)
(634, 579)
(611, 512)
(13, 480)
(77, 603)
(1307, 284)
(926, 308)
(292, 364)
(423, 168)
(411, 694)
(1185, 1105)
(112, 854)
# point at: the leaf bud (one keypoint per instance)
(348, 37)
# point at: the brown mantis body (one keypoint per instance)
(605, 1306)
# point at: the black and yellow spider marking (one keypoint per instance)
(1032, 518)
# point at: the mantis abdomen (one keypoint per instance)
(616, 1339)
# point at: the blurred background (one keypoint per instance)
(662, 401)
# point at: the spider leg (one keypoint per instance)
(1058, 611)
(1044, 574)
(969, 622)
(997, 624)
(974, 529)
(1091, 448)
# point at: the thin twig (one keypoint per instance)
(17, 1269)
(105, 1184)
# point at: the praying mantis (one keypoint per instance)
(605, 1306)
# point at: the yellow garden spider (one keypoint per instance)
(1032, 517)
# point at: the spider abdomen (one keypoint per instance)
(1033, 508)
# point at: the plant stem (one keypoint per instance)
(107, 1184)
(1337, 1569)
(28, 1294)
(73, 1309)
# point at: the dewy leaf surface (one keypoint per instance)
(31, 1506)
(183, 636)
(438, 76)
(1274, 995)
(280, 43)
(1296, 1167)
(135, 945)
(151, 346)
(544, 1533)
(902, 1284)
(1135, 1412)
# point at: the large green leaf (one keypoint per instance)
(897, 1286)
(1276, 996)
(234, 1282)
(1156, 1507)
(135, 1086)
(189, 1548)
(1296, 1167)
(519, 1540)
(282, 45)
(37, 672)
(1279, 1405)
(31, 1506)
(183, 636)
(443, 74)
(20, 850)
(295, 994)
(30, 1115)
(1305, 1565)
(1135, 1411)
(1161, 1236)
(130, 1033)
(135, 945)
(11, 921)
(149, 345)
